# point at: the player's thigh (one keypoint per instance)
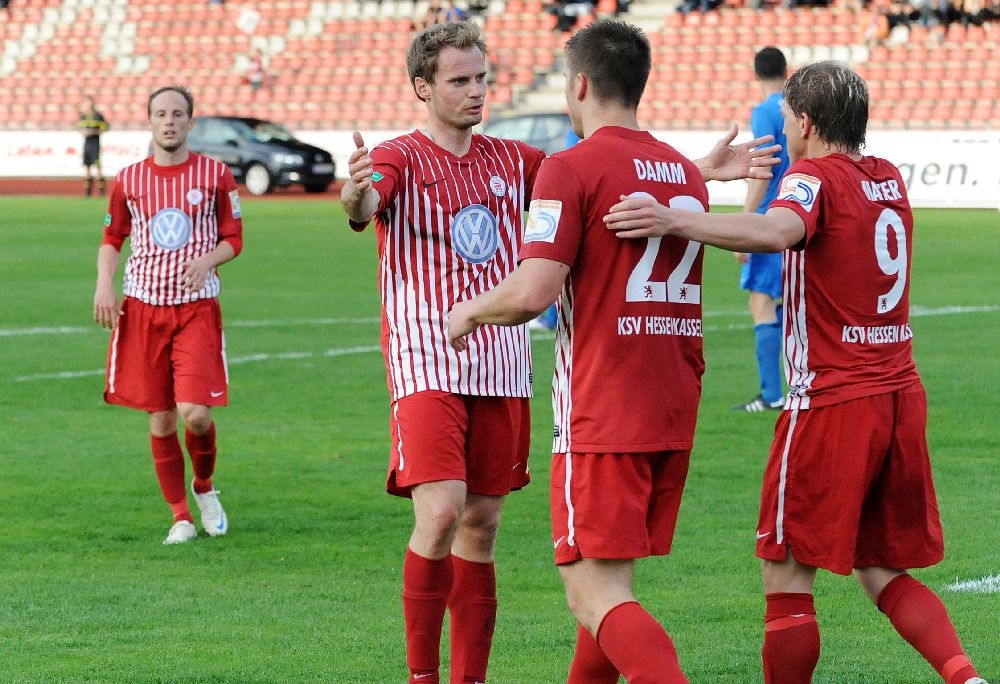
(428, 432)
(901, 524)
(615, 506)
(199, 356)
(497, 444)
(138, 371)
(822, 464)
(763, 274)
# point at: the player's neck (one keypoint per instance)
(162, 157)
(599, 117)
(457, 141)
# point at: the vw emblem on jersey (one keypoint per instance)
(195, 196)
(498, 186)
(474, 234)
(170, 229)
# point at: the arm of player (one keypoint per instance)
(756, 189)
(359, 198)
(106, 306)
(643, 217)
(734, 162)
(195, 272)
(524, 294)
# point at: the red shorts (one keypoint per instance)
(849, 486)
(615, 506)
(482, 441)
(162, 355)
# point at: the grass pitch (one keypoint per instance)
(305, 588)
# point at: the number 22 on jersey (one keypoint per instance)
(675, 289)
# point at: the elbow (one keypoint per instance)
(529, 304)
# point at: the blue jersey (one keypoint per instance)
(766, 119)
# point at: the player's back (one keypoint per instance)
(847, 288)
(629, 349)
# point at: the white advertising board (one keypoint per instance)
(941, 168)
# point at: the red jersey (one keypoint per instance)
(629, 340)
(173, 214)
(847, 285)
(449, 229)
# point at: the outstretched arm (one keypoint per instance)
(643, 217)
(524, 294)
(734, 162)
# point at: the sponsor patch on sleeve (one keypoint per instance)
(798, 187)
(543, 219)
(234, 202)
(107, 219)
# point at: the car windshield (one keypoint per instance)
(266, 131)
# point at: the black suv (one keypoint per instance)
(262, 154)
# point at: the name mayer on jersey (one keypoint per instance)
(659, 325)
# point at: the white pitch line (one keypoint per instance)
(915, 311)
(250, 358)
(986, 585)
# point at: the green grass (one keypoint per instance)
(305, 588)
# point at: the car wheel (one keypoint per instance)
(317, 187)
(258, 180)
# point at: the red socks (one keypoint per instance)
(426, 586)
(472, 606)
(590, 664)
(791, 639)
(638, 646)
(918, 615)
(201, 449)
(168, 460)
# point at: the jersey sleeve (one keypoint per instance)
(800, 191)
(230, 214)
(118, 220)
(760, 123)
(554, 229)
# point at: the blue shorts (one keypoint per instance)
(762, 273)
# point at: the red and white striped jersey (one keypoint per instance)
(629, 358)
(449, 229)
(847, 285)
(172, 214)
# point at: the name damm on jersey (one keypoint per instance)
(876, 334)
(659, 325)
(660, 171)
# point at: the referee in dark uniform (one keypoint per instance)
(92, 124)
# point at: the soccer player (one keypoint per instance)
(92, 125)
(167, 355)
(448, 208)
(761, 272)
(848, 483)
(629, 320)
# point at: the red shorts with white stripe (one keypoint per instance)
(849, 486)
(437, 436)
(162, 355)
(615, 506)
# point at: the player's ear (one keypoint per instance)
(422, 88)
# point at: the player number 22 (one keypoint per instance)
(641, 289)
(891, 265)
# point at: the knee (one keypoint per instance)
(439, 520)
(196, 418)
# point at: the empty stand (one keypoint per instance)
(340, 63)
